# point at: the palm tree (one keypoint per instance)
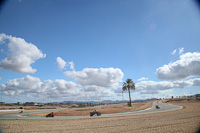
(128, 85)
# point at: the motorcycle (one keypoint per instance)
(21, 111)
(157, 107)
(50, 115)
(95, 113)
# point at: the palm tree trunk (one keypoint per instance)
(129, 96)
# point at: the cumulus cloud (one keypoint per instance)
(33, 85)
(187, 66)
(181, 50)
(71, 65)
(97, 91)
(60, 89)
(174, 52)
(143, 78)
(195, 81)
(20, 55)
(22, 85)
(153, 87)
(104, 77)
(61, 63)
(149, 92)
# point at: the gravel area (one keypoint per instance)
(186, 120)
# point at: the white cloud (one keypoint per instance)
(143, 78)
(181, 50)
(153, 87)
(22, 85)
(31, 87)
(187, 66)
(104, 77)
(61, 63)
(71, 65)
(97, 92)
(195, 81)
(20, 55)
(149, 92)
(174, 52)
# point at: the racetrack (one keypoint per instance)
(186, 120)
(163, 108)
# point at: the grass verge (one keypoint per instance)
(29, 115)
(144, 108)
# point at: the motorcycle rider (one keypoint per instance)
(51, 114)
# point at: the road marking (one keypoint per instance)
(9, 110)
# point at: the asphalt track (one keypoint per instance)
(164, 107)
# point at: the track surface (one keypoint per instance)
(163, 108)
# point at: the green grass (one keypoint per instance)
(144, 108)
(29, 115)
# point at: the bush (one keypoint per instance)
(128, 103)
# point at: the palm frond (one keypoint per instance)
(124, 86)
(129, 84)
(132, 87)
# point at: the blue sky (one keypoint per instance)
(85, 49)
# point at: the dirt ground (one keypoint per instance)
(104, 109)
(186, 120)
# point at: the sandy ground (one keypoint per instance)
(186, 120)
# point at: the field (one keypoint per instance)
(186, 120)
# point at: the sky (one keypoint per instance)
(83, 50)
